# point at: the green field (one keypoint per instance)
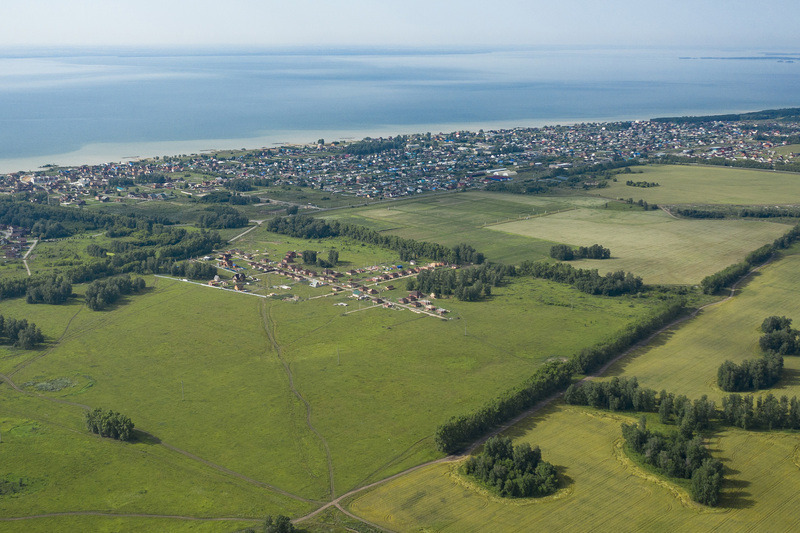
(689, 184)
(199, 369)
(651, 244)
(685, 360)
(603, 489)
(451, 219)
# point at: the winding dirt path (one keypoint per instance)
(269, 327)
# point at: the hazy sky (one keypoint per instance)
(715, 23)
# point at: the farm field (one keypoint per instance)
(206, 371)
(651, 244)
(604, 490)
(689, 184)
(685, 361)
(451, 219)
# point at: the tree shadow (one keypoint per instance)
(144, 437)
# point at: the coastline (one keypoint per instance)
(102, 153)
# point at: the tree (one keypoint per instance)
(278, 524)
(333, 257)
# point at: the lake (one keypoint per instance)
(91, 106)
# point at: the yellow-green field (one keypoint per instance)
(604, 490)
(651, 244)
(451, 219)
(685, 184)
(685, 360)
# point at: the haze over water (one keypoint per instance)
(90, 107)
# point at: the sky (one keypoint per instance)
(410, 23)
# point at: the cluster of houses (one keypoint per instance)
(13, 240)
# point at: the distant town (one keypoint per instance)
(406, 165)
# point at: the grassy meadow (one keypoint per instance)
(651, 244)
(690, 184)
(205, 371)
(603, 490)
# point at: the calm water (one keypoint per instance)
(75, 107)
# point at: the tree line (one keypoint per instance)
(20, 333)
(676, 455)
(550, 378)
(305, 227)
(724, 278)
(563, 252)
(642, 184)
(103, 292)
(745, 212)
(109, 424)
(588, 281)
(512, 471)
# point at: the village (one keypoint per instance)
(407, 165)
(367, 284)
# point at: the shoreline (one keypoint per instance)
(102, 153)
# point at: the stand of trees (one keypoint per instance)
(729, 275)
(20, 333)
(562, 252)
(512, 471)
(751, 374)
(375, 146)
(468, 284)
(103, 292)
(588, 281)
(305, 227)
(767, 412)
(676, 455)
(109, 424)
(642, 184)
(27, 214)
(53, 290)
(779, 337)
(221, 217)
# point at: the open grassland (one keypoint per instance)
(652, 244)
(603, 489)
(66, 469)
(451, 219)
(685, 184)
(685, 360)
(206, 371)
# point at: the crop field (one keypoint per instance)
(469, 217)
(684, 184)
(603, 490)
(206, 371)
(685, 360)
(652, 244)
